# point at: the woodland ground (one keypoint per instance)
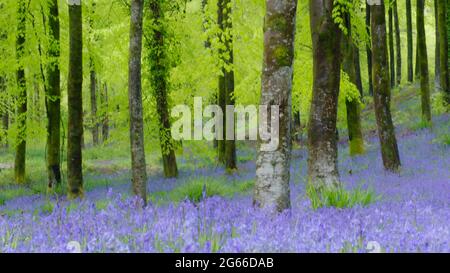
(411, 212)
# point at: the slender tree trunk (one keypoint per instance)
(398, 46)
(417, 71)
(437, 52)
(356, 141)
(358, 79)
(53, 99)
(139, 173)
(75, 101)
(443, 46)
(410, 40)
(297, 127)
(322, 142)
(369, 51)
(21, 101)
(382, 90)
(230, 144)
(159, 73)
(423, 58)
(272, 165)
(105, 114)
(391, 47)
(221, 96)
(93, 92)
(4, 115)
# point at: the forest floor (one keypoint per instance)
(411, 212)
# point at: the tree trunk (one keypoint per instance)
(93, 92)
(4, 115)
(369, 51)
(297, 127)
(410, 40)
(75, 102)
(355, 136)
(159, 73)
(21, 101)
(138, 166)
(230, 144)
(437, 52)
(417, 71)
(322, 142)
(358, 79)
(423, 58)
(443, 46)
(105, 114)
(382, 90)
(391, 47)
(398, 47)
(53, 99)
(273, 165)
(222, 88)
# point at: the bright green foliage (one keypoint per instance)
(340, 198)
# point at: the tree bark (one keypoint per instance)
(4, 115)
(75, 101)
(443, 46)
(230, 144)
(355, 136)
(21, 101)
(93, 94)
(437, 52)
(322, 142)
(382, 90)
(417, 71)
(398, 47)
(105, 114)
(53, 99)
(423, 58)
(272, 166)
(410, 40)
(391, 46)
(369, 51)
(138, 165)
(159, 73)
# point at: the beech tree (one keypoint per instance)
(443, 48)
(272, 167)
(398, 46)
(138, 171)
(423, 61)
(75, 101)
(53, 98)
(391, 45)
(382, 90)
(21, 98)
(159, 73)
(410, 40)
(322, 142)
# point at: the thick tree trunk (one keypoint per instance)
(391, 47)
(75, 102)
(410, 40)
(272, 165)
(398, 47)
(356, 141)
(322, 142)
(437, 52)
(21, 101)
(382, 90)
(53, 99)
(443, 46)
(105, 114)
(423, 58)
(369, 51)
(159, 73)
(138, 166)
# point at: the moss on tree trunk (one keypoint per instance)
(423, 59)
(382, 90)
